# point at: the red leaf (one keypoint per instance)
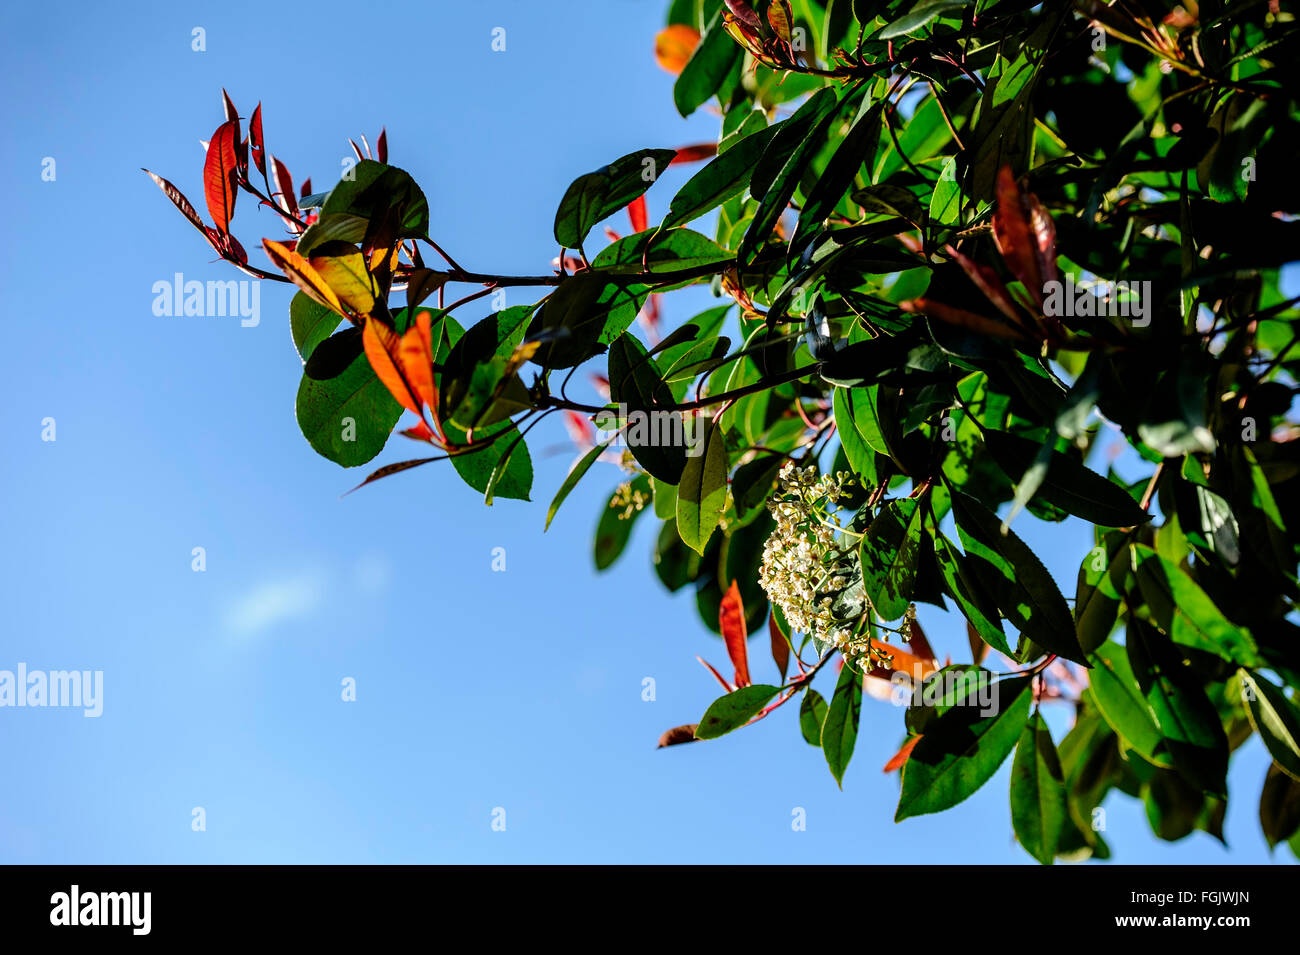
(220, 171)
(731, 621)
(898, 759)
(678, 734)
(980, 324)
(381, 146)
(637, 215)
(283, 182)
(305, 190)
(694, 153)
(232, 114)
(258, 147)
(780, 646)
(581, 431)
(1025, 235)
(987, 281)
(397, 468)
(746, 15)
(179, 201)
(356, 149)
(716, 675)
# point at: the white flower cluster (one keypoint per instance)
(804, 557)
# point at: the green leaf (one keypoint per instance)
(821, 111)
(662, 251)
(571, 480)
(385, 196)
(961, 750)
(734, 710)
(707, 68)
(1192, 733)
(1027, 596)
(812, 716)
(920, 14)
(1178, 605)
(889, 553)
(858, 147)
(634, 381)
(1066, 483)
(347, 416)
(725, 176)
(976, 606)
(1037, 792)
(945, 201)
(475, 391)
(588, 310)
(310, 323)
(702, 493)
(489, 468)
(1276, 719)
(1102, 582)
(861, 456)
(1121, 701)
(840, 728)
(597, 195)
(1279, 807)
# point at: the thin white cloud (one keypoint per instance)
(275, 602)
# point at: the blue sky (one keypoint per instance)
(475, 689)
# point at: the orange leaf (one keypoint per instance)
(415, 352)
(898, 759)
(220, 169)
(302, 274)
(731, 621)
(381, 344)
(674, 46)
(904, 662)
(780, 646)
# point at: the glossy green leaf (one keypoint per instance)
(1037, 791)
(734, 710)
(840, 727)
(961, 750)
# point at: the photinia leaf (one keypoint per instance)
(256, 145)
(780, 645)
(1037, 792)
(221, 174)
(702, 491)
(731, 623)
(962, 749)
(840, 728)
(734, 710)
(812, 714)
(571, 480)
(889, 553)
(1276, 719)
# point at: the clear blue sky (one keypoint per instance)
(476, 689)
